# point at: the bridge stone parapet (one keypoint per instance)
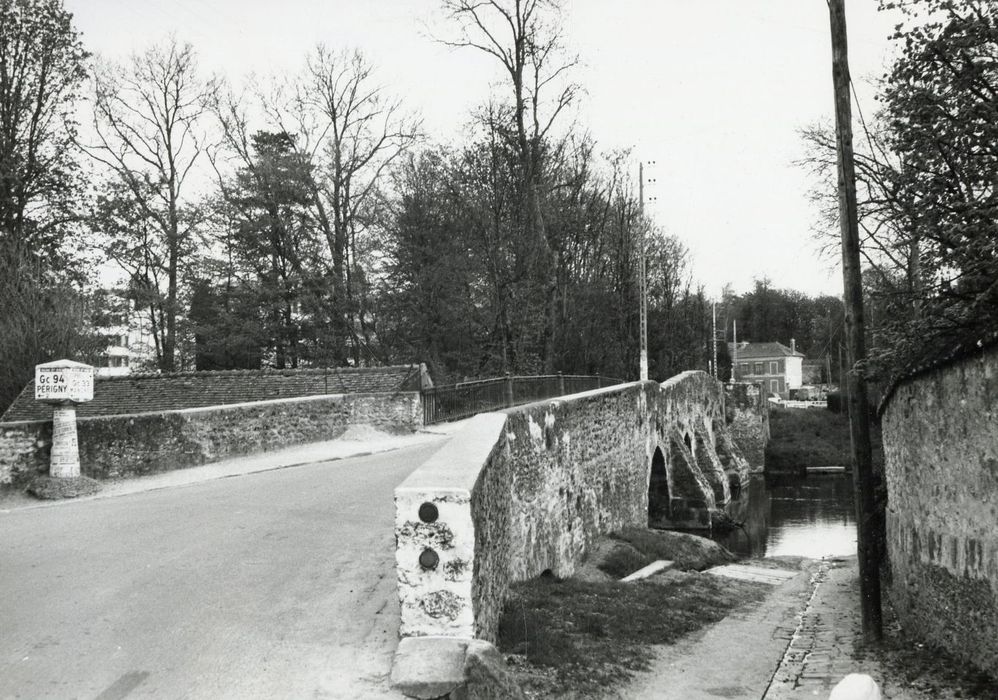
(531, 489)
(941, 468)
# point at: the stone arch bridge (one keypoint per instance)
(530, 489)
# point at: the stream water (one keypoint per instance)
(810, 516)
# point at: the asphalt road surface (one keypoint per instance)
(279, 584)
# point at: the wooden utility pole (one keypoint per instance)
(867, 540)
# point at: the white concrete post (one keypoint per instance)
(64, 383)
(65, 460)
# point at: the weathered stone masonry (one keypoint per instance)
(941, 462)
(531, 489)
(748, 420)
(132, 445)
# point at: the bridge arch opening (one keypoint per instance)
(658, 489)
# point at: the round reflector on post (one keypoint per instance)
(429, 559)
(428, 513)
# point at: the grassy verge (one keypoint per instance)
(571, 638)
(589, 635)
(811, 437)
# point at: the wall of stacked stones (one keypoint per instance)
(940, 434)
(133, 445)
(531, 490)
(748, 421)
(24, 450)
(570, 472)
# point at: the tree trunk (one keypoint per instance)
(169, 343)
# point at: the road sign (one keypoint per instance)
(64, 380)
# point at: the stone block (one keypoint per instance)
(429, 667)
(453, 667)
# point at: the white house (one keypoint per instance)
(776, 366)
(129, 342)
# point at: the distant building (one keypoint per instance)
(115, 360)
(130, 345)
(776, 366)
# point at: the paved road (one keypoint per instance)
(271, 585)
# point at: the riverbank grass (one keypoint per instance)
(812, 437)
(575, 637)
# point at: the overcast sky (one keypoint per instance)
(712, 91)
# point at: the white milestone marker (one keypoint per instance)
(64, 383)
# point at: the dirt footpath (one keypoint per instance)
(798, 643)
(735, 658)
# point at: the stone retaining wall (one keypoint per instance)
(531, 489)
(24, 450)
(940, 434)
(133, 445)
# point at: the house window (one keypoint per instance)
(774, 386)
(774, 367)
(759, 367)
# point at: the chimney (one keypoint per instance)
(793, 345)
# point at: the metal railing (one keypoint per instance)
(456, 401)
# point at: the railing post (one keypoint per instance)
(561, 384)
(599, 381)
(509, 389)
(427, 407)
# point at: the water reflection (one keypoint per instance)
(801, 516)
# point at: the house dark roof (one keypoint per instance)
(146, 393)
(753, 351)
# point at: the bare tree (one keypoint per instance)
(523, 36)
(147, 122)
(888, 218)
(351, 130)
